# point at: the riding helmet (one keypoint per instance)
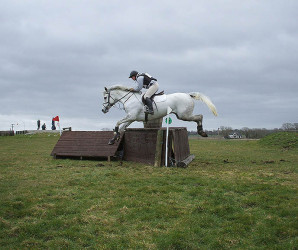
(133, 73)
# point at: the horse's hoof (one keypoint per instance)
(117, 137)
(111, 142)
(202, 133)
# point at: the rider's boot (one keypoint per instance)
(150, 106)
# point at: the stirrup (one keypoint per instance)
(146, 109)
(150, 112)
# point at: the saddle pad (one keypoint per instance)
(160, 98)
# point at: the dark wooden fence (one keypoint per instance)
(7, 133)
(21, 132)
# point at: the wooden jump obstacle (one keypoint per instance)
(85, 144)
(149, 145)
(144, 145)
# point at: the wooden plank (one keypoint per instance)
(185, 162)
(158, 148)
(181, 146)
(85, 144)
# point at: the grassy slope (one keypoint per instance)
(238, 194)
(281, 140)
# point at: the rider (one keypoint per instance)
(144, 80)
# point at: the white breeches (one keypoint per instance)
(152, 90)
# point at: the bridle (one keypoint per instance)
(107, 105)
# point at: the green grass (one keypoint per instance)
(235, 194)
(282, 140)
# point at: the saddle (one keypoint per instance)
(152, 97)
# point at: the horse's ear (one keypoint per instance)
(106, 89)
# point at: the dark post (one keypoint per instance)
(53, 124)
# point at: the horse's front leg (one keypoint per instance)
(124, 126)
(127, 121)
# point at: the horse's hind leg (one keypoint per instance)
(194, 118)
(200, 127)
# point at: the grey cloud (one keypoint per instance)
(56, 57)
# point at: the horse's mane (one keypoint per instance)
(119, 87)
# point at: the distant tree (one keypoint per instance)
(250, 133)
(224, 128)
(255, 133)
(288, 126)
(225, 131)
(245, 131)
(106, 129)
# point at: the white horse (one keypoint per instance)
(182, 106)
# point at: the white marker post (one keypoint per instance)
(59, 127)
(167, 138)
(57, 118)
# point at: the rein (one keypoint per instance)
(116, 101)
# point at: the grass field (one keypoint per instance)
(235, 194)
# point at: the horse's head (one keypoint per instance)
(113, 95)
(108, 102)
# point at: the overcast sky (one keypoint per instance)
(57, 56)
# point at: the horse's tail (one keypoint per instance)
(205, 99)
